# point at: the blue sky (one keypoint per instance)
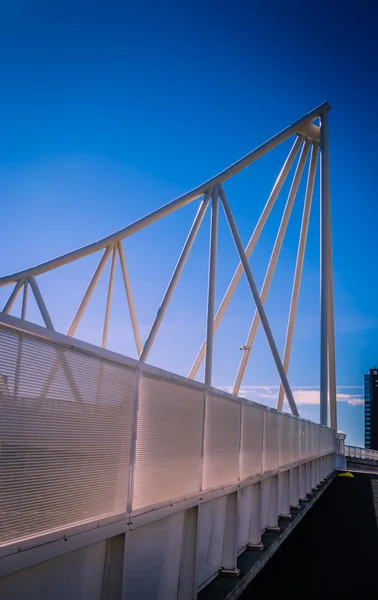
(109, 112)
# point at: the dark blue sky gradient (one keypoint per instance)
(109, 111)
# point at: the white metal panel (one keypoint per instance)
(271, 441)
(251, 449)
(287, 439)
(77, 575)
(64, 456)
(221, 448)
(152, 559)
(211, 527)
(168, 448)
(244, 516)
(304, 439)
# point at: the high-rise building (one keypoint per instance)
(371, 409)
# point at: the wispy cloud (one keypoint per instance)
(302, 395)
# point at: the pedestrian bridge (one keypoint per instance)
(122, 480)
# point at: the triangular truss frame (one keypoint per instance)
(309, 138)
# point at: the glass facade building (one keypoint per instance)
(371, 409)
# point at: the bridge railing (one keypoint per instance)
(362, 453)
(114, 440)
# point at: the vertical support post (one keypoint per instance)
(302, 481)
(211, 286)
(309, 477)
(202, 459)
(255, 526)
(324, 266)
(294, 487)
(273, 505)
(284, 494)
(331, 334)
(229, 566)
(187, 588)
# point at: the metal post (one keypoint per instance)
(272, 265)
(89, 291)
(129, 297)
(175, 275)
(249, 249)
(24, 300)
(12, 298)
(211, 286)
(255, 526)
(324, 266)
(41, 303)
(259, 305)
(298, 268)
(109, 298)
(229, 566)
(331, 336)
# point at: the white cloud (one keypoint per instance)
(302, 395)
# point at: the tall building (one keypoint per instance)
(371, 409)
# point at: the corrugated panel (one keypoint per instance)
(64, 458)
(251, 440)
(221, 451)
(168, 449)
(271, 441)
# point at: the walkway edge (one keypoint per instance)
(266, 555)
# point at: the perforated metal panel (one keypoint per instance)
(288, 440)
(64, 455)
(221, 449)
(168, 449)
(271, 440)
(304, 439)
(251, 440)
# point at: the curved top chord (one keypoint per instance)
(298, 127)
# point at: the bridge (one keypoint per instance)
(119, 479)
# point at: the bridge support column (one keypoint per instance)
(187, 588)
(308, 477)
(255, 526)
(284, 494)
(229, 566)
(302, 482)
(323, 470)
(294, 487)
(273, 509)
(314, 474)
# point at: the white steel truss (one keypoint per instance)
(309, 137)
